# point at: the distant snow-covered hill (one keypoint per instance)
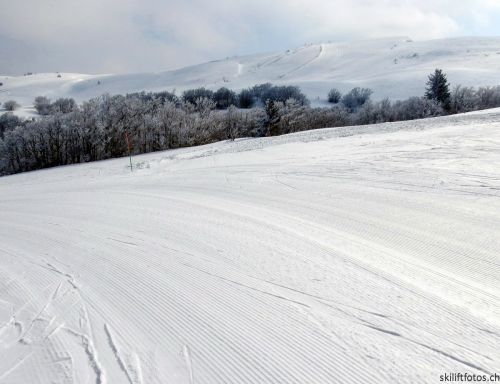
(392, 67)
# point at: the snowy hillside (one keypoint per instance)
(394, 68)
(345, 255)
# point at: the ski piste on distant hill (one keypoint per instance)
(394, 68)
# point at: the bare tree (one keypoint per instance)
(11, 105)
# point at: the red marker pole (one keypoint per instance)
(129, 150)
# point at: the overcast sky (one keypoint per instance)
(110, 36)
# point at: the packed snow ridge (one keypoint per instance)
(361, 254)
(396, 68)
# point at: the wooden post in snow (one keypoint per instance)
(129, 149)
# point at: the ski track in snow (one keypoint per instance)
(345, 255)
(187, 356)
(321, 48)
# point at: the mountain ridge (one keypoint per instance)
(394, 68)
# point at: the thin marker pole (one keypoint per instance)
(129, 153)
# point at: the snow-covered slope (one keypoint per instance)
(346, 255)
(393, 67)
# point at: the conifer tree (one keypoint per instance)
(438, 89)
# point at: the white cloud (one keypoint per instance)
(134, 35)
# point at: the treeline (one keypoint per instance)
(245, 99)
(68, 133)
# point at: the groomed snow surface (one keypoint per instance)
(351, 255)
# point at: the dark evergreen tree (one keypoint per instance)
(438, 89)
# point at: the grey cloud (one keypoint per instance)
(153, 35)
